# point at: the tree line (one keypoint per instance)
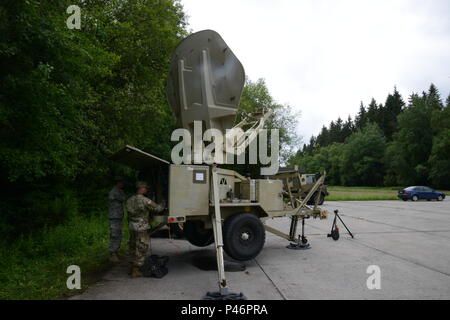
(390, 144)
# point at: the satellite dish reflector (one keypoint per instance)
(205, 82)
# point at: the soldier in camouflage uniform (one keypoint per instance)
(116, 198)
(139, 208)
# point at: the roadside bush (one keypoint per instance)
(34, 267)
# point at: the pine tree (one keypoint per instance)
(323, 138)
(338, 137)
(361, 117)
(334, 131)
(433, 98)
(373, 112)
(347, 129)
(392, 108)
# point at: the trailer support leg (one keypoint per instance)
(301, 243)
(293, 229)
(223, 293)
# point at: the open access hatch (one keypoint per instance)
(153, 170)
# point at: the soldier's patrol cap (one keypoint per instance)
(118, 178)
(141, 184)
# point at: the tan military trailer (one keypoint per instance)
(191, 192)
(216, 205)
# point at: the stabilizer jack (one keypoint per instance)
(302, 242)
(224, 295)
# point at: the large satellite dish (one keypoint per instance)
(205, 82)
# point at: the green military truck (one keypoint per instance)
(302, 183)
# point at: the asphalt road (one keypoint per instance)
(409, 242)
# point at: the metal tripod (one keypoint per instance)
(335, 230)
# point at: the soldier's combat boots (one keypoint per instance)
(135, 272)
(130, 269)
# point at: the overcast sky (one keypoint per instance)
(325, 56)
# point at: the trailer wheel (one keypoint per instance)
(196, 233)
(243, 236)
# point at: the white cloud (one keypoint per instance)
(325, 56)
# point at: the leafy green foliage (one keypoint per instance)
(408, 154)
(256, 96)
(439, 161)
(361, 162)
(69, 98)
(327, 159)
(357, 162)
(35, 267)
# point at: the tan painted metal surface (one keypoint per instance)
(189, 190)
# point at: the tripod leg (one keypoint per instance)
(334, 223)
(334, 230)
(337, 215)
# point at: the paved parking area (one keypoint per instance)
(409, 242)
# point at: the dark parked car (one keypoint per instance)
(416, 193)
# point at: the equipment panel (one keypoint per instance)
(189, 190)
(270, 194)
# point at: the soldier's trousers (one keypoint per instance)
(115, 234)
(139, 246)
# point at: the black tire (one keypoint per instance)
(335, 234)
(244, 236)
(415, 198)
(196, 233)
(404, 199)
(177, 229)
(440, 198)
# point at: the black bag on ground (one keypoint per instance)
(155, 266)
